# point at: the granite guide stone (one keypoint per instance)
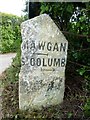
(43, 59)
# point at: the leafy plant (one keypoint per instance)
(81, 71)
(70, 115)
(86, 108)
(10, 32)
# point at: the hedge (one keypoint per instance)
(10, 32)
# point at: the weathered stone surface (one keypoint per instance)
(43, 57)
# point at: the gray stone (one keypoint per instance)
(43, 58)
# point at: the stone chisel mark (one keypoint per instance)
(42, 54)
(47, 69)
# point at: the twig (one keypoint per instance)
(78, 64)
(78, 35)
(80, 49)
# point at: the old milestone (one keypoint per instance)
(43, 59)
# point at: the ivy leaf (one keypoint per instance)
(42, 9)
(81, 71)
(88, 39)
(47, 8)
